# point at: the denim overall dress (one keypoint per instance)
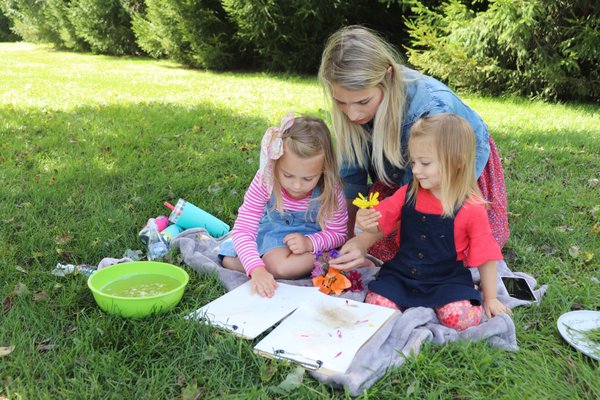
(275, 225)
(425, 271)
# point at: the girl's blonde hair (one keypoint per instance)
(310, 137)
(453, 141)
(356, 58)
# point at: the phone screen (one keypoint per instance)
(518, 288)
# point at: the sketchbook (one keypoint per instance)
(247, 314)
(320, 332)
(325, 333)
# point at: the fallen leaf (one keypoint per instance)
(411, 388)
(574, 251)
(62, 239)
(293, 380)
(266, 372)
(547, 250)
(39, 296)
(565, 228)
(45, 347)
(180, 380)
(70, 329)
(19, 290)
(4, 351)
(7, 304)
(21, 269)
(191, 392)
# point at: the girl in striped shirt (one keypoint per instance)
(293, 208)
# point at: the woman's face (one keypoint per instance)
(359, 106)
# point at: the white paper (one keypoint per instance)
(325, 332)
(248, 314)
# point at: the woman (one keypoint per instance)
(375, 101)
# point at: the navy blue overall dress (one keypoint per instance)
(425, 271)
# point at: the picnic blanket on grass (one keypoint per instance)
(399, 338)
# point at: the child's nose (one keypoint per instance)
(298, 185)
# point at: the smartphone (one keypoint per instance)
(518, 288)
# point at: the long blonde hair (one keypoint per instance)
(453, 141)
(309, 137)
(356, 58)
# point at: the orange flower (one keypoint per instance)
(334, 281)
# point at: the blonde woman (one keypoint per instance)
(443, 227)
(375, 100)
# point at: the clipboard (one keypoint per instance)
(248, 314)
(325, 333)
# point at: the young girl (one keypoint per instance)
(374, 102)
(443, 227)
(293, 208)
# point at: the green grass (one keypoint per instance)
(91, 146)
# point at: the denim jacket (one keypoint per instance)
(424, 96)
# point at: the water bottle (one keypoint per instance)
(161, 222)
(156, 244)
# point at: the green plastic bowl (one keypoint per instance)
(133, 304)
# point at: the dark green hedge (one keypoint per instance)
(541, 48)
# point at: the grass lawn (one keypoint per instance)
(91, 146)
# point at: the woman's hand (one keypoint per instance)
(493, 307)
(263, 282)
(368, 220)
(352, 254)
(298, 244)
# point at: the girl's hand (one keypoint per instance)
(297, 243)
(263, 282)
(368, 220)
(493, 307)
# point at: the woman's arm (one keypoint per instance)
(352, 254)
(352, 210)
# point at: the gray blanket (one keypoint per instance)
(399, 338)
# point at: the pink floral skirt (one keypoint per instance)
(492, 186)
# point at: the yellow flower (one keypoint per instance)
(362, 202)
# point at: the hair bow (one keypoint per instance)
(271, 148)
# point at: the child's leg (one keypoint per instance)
(374, 298)
(233, 263)
(284, 264)
(459, 315)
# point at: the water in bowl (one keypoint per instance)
(141, 285)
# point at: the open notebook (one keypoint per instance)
(322, 333)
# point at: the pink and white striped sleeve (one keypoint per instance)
(245, 229)
(336, 228)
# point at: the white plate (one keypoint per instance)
(570, 326)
